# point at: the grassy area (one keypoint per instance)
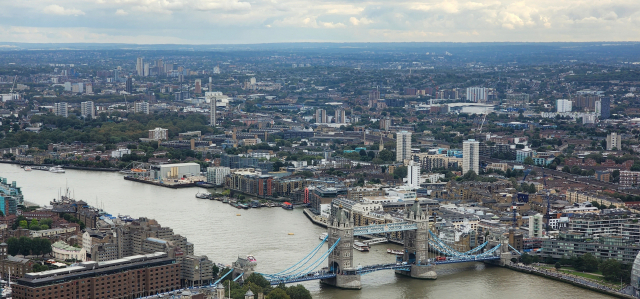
(595, 276)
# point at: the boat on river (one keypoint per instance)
(394, 251)
(203, 195)
(323, 236)
(56, 169)
(359, 246)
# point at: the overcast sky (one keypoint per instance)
(273, 21)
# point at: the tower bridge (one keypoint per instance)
(340, 271)
(414, 262)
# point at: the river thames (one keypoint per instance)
(276, 237)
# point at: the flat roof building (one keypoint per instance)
(130, 277)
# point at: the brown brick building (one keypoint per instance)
(130, 277)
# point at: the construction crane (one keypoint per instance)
(14, 85)
(544, 181)
(482, 123)
(514, 203)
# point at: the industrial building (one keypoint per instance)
(174, 171)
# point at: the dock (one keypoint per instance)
(172, 186)
(317, 220)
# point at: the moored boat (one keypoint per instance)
(27, 168)
(287, 206)
(56, 169)
(203, 195)
(360, 246)
(394, 251)
(323, 236)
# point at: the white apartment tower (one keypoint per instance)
(216, 174)
(614, 141)
(321, 116)
(563, 106)
(141, 107)
(413, 175)
(403, 146)
(477, 94)
(471, 156)
(212, 107)
(140, 66)
(340, 116)
(61, 109)
(88, 110)
(536, 223)
(159, 134)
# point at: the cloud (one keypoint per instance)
(225, 5)
(55, 9)
(331, 25)
(257, 21)
(362, 21)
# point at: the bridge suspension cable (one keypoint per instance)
(477, 248)
(309, 268)
(298, 265)
(516, 250)
(317, 262)
(221, 278)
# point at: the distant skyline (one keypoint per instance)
(281, 21)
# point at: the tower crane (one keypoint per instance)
(14, 84)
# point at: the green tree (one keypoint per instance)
(24, 224)
(306, 173)
(13, 247)
(215, 270)
(558, 266)
(278, 293)
(590, 263)
(548, 260)
(386, 155)
(532, 188)
(259, 280)
(528, 161)
(611, 269)
(46, 221)
(526, 259)
(400, 171)
(34, 223)
(298, 292)
(470, 176)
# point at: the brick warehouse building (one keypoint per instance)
(125, 278)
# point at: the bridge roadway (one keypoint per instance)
(361, 270)
(383, 228)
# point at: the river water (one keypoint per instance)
(276, 237)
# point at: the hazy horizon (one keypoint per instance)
(213, 22)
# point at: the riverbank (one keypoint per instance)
(315, 219)
(172, 186)
(576, 281)
(278, 238)
(63, 166)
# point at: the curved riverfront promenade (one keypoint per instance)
(572, 279)
(277, 237)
